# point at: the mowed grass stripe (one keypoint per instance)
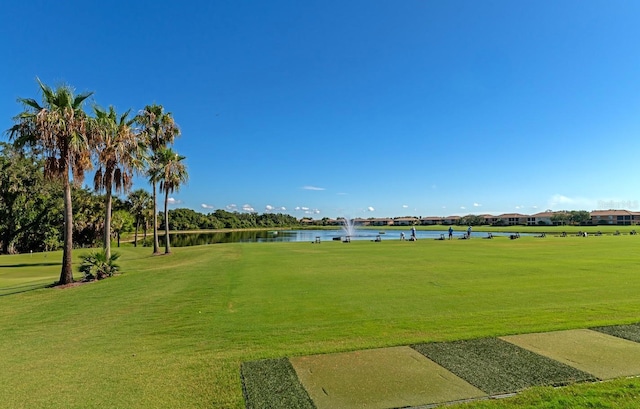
(497, 367)
(273, 384)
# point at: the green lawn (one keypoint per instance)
(173, 331)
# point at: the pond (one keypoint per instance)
(196, 239)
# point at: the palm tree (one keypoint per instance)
(139, 201)
(171, 173)
(159, 129)
(119, 153)
(58, 129)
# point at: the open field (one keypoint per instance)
(173, 330)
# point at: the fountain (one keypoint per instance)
(348, 228)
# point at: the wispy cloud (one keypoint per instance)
(477, 205)
(571, 203)
(207, 206)
(231, 207)
(462, 207)
(312, 188)
(371, 209)
(248, 208)
(173, 201)
(405, 206)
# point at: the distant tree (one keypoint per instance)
(139, 202)
(561, 218)
(28, 205)
(471, 220)
(580, 216)
(59, 130)
(122, 222)
(88, 219)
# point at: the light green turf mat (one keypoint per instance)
(378, 379)
(604, 356)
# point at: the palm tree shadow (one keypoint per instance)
(29, 265)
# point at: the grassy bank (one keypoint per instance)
(173, 330)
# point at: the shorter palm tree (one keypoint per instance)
(119, 153)
(170, 171)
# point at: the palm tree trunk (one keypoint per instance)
(66, 274)
(156, 246)
(135, 236)
(167, 248)
(107, 219)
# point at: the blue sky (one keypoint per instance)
(360, 108)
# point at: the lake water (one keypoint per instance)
(196, 239)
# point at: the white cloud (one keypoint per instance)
(571, 203)
(173, 201)
(268, 208)
(304, 208)
(248, 208)
(232, 207)
(462, 207)
(371, 209)
(297, 208)
(312, 188)
(477, 205)
(284, 209)
(207, 206)
(405, 206)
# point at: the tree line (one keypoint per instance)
(62, 141)
(55, 141)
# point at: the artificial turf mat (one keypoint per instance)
(497, 367)
(630, 332)
(602, 355)
(402, 376)
(379, 378)
(273, 384)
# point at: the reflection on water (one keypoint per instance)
(197, 239)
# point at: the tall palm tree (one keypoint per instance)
(139, 201)
(119, 153)
(159, 130)
(171, 173)
(59, 129)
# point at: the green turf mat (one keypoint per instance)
(602, 355)
(379, 378)
(273, 384)
(496, 366)
(630, 332)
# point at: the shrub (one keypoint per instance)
(96, 266)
